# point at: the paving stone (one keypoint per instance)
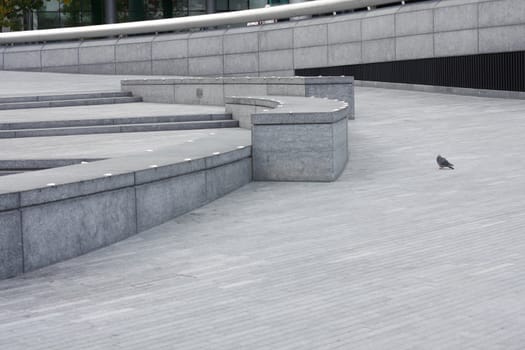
(396, 254)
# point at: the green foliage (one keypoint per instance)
(12, 12)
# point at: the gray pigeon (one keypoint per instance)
(442, 162)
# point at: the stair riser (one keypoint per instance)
(4, 173)
(19, 99)
(113, 121)
(39, 164)
(118, 129)
(69, 103)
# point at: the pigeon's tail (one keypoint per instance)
(451, 167)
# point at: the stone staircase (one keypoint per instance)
(63, 125)
(65, 100)
(115, 125)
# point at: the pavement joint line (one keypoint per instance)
(338, 267)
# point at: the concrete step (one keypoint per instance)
(66, 103)
(106, 129)
(77, 96)
(9, 172)
(24, 165)
(47, 124)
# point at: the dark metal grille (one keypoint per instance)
(497, 71)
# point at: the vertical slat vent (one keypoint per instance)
(496, 71)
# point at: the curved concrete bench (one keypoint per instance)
(55, 214)
(294, 138)
(314, 149)
(213, 91)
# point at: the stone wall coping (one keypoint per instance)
(56, 184)
(241, 80)
(293, 109)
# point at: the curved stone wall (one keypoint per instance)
(56, 214)
(421, 30)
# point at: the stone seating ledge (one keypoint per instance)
(55, 214)
(213, 91)
(294, 138)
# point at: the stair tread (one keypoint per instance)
(134, 120)
(204, 122)
(65, 103)
(63, 97)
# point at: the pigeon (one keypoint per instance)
(442, 162)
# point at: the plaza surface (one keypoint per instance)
(396, 254)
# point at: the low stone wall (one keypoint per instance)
(213, 91)
(440, 28)
(295, 138)
(299, 124)
(56, 214)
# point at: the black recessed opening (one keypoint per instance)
(496, 71)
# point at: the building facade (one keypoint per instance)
(70, 13)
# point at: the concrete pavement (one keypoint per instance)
(41, 83)
(396, 254)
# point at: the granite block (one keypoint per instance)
(414, 46)
(463, 42)
(285, 89)
(164, 200)
(211, 65)
(287, 138)
(298, 166)
(315, 35)
(502, 39)
(277, 73)
(276, 60)
(133, 52)
(244, 89)
(135, 68)
(344, 32)
(102, 68)
(75, 189)
(224, 158)
(170, 67)
(455, 18)
(272, 40)
(343, 54)
(415, 22)
(379, 50)
(241, 43)
(97, 54)
(61, 69)
(208, 46)
(9, 200)
(242, 113)
(169, 49)
(378, 27)
(61, 230)
(201, 94)
(241, 63)
(340, 146)
(59, 56)
(500, 13)
(156, 93)
(227, 178)
(11, 252)
(315, 56)
(168, 171)
(22, 58)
